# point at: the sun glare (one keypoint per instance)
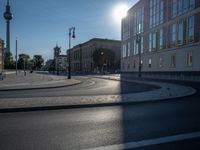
(120, 12)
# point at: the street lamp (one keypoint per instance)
(24, 67)
(71, 35)
(2, 50)
(16, 55)
(138, 40)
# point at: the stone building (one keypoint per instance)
(82, 54)
(169, 32)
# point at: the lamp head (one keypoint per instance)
(73, 34)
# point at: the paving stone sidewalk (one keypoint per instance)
(34, 81)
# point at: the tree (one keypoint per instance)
(8, 61)
(23, 60)
(38, 61)
(104, 59)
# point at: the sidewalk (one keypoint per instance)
(34, 81)
(167, 91)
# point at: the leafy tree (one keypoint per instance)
(31, 64)
(38, 61)
(8, 61)
(104, 58)
(23, 58)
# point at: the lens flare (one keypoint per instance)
(120, 12)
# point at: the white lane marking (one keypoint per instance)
(150, 142)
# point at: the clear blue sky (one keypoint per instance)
(39, 24)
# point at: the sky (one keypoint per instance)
(40, 24)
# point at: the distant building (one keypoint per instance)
(170, 38)
(1, 55)
(82, 55)
(59, 63)
(49, 65)
(62, 63)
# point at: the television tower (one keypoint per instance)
(8, 16)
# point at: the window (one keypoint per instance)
(190, 29)
(173, 60)
(150, 61)
(134, 66)
(156, 12)
(161, 11)
(192, 4)
(185, 5)
(180, 7)
(123, 51)
(174, 8)
(128, 67)
(141, 63)
(180, 32)
(161, 62)
(135, 47)
(128, 49)
(173, 34)
(152, 41)
(189, 59)
(125, 28)
(161, 35)
(142, 45)
(139, 21)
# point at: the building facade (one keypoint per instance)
(169, 33)
(62, 63)
(82, 55)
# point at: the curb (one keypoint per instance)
(39, 88)
(87, 105)
(79, 106)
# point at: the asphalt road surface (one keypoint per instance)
(85, 128)
(102, 127)
(89, 86)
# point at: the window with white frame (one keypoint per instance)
(135, 47)
(124, 51)
(189, 59)
(173, 60)
(161, 62)
(150, 62)
(141, 63)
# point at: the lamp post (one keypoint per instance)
(2, 50)
(24, 67)
(138, 40)
(71, 35)
(16, 54)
